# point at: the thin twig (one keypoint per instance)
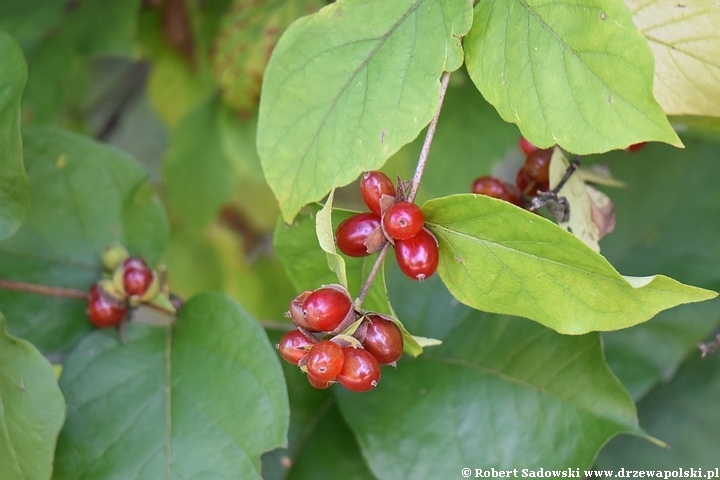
(568, 173)
(273, 325)
(371, 275)
(43, 289)
(428, 139)
(708, 348)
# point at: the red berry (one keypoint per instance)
(318, 384)
(293, 346)
(325, 309)
(296, 310)
(105, 310)
(403, 220)
(352, 232)
(417, 256)
(373, 186)
(523, 181)
(636, 147)
(137, 276)
(325, 361)
(383, 340)
(496, 188)
(526, 146)
(360, 371)
(537, 165)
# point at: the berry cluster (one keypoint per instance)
(391, 218)
(319, 348)
(132, 283)
(533, 177)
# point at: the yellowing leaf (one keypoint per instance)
(684, 37)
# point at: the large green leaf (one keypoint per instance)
(684, 414)
(13, 181)
(684, 38)
(664, 224)
(500, 392)
(247, 36)
(85, 196)
(202, 399)
(320, 444)
(29, 20)
(32, 410)
(573, 73)
(499, 258)
(347, 87)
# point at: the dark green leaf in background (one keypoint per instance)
(14, 195)
(500, 392)
(347, 87)
(499, 258)
(247, 36)
(85, 196)
(32, 410)
(573, 73)
(198, 175)
(29, 20)
(683, 413)
(202, 400)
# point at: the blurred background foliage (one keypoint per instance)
(176, 83)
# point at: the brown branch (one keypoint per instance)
(43, 289)
(371, 275)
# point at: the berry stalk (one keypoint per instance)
(371, 275)
(43, 289)
(428, 140)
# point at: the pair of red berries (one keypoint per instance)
(532, 177)
(390, 218)
(108, 302)
(353, 361)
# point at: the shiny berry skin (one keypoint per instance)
(351, 233)
(318, 384)
(526, 146)
(293, 346)
(636, 147)
(325, 309)
(104, 311)
(324, 361)
(403, 220)
(373, 185)
(417, 256)
(537, 165)
(383, 340)
(496, 188)
(360, 372)
(522, 180)
(137, 276)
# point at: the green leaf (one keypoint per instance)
(682, 413)
(576, 74)
(247, 36)
(320, 444)
(14, 195)
(198, 175)
(664, 225)
(347, 87)
(326, 237)
(203, 399)
(499, 258)
(684, 38)
(29, 20)
(85, 196)
(32, 410)
(501, 392)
